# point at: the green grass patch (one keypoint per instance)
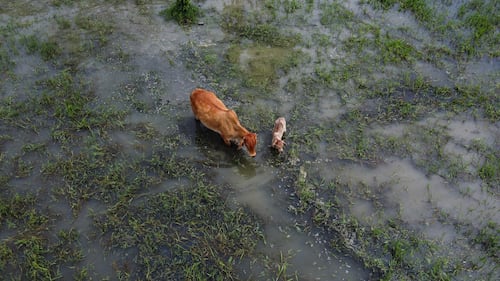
(6, 62)
(48, 50)
(291, 6)
(435, 54)
(351, 139)
(96, 173)
(335, 15)
(249, 26)
(67, 98)
(481, 25)
(144, 93)
(13, 208)
(390, 250)
(481, 16)
(430, 141)
(489, 238)
(26, 248)
(261, 65)
(21, 167)
(322, 40)
(98, 29)
(412, 96)
(489, 171)
(101, 172)
(59, 3)
(396, 50)
(472, 32)
(187, 233)
(419, 8)
(385, 4)
(21, 113)
(62, 22)
(182, 11)
(466, 97)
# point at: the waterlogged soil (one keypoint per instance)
(390, 171)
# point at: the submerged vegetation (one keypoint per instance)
(472, 31)
(187, 233)
(105, 176)
(235, 20)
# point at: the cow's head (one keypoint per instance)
(250, 141)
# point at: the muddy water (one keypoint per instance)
(156, 75)
(418, 196)
(307, 253)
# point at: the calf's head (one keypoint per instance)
(250, 141)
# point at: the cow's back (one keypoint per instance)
(203, 101)
(209, 109)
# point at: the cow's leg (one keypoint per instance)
(227, 141)
(240, 143)
(274, 142)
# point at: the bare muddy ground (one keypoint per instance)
(391, 169)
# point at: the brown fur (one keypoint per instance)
(212, 113)
(278, 131)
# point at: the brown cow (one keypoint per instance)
(278, 131)
(212, 113)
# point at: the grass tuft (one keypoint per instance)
(182, 11)
(236, 21)
(48, 50)
(489, 238)
(396, 50)
(190, 231)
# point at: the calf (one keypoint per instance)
(212, 113)
(278, 131)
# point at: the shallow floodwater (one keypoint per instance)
(307, 253)
(156, 77)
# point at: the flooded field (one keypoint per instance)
(391, 169)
